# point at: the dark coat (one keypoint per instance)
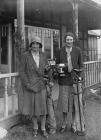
(77, 63)
(34, 89)
(65, 100)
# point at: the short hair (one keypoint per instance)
(69, 34)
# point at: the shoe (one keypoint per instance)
(44, 133)
(73, 130)
(52, 131)
(35, 133)
(62, 129)
(80, 133)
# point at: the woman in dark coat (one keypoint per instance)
(72, 57)
(32, 72)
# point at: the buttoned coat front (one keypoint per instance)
(34, 90)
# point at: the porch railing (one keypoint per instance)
(8, 96)
(92, 71)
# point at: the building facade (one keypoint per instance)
(50, 20)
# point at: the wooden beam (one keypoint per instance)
(20, 23)
(10, 48)
(6, 99)
(75, 17)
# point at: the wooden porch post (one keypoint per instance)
(75, 18)
(9, 48)
(20, 24)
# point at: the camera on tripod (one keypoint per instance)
(50, 71)
(62, 69)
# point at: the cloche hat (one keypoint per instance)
(36, 39)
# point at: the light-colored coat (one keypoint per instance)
(34, 89)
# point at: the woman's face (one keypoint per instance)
(69, 41)
(35, 47)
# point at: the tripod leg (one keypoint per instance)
(78, 114)
(75, 114)
(80, 105)
(51, 120)
(81, 113)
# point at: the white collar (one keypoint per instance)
(35, 54)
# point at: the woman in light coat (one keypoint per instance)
(32, 72)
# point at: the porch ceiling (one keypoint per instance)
(54, 12)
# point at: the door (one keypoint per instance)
(5, 48)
